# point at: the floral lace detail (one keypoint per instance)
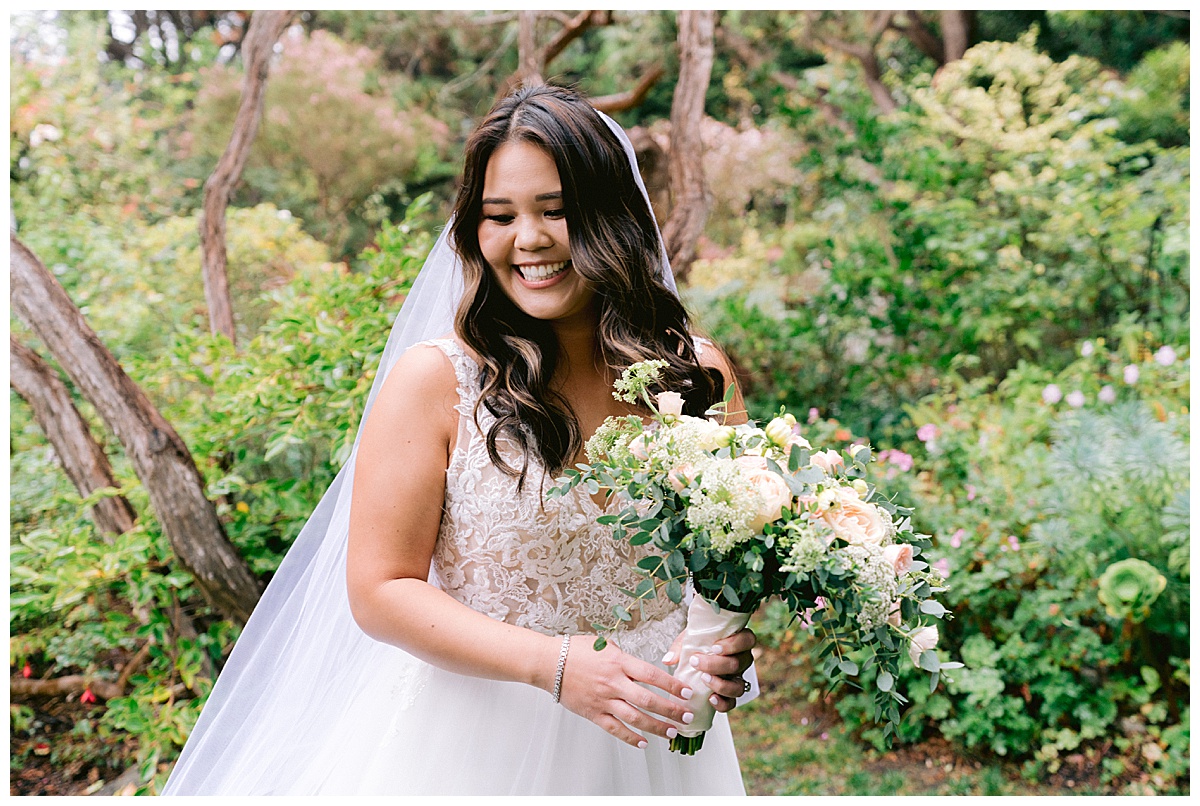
(519, 558)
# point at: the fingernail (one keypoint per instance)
(667, 658)
(686, 694)
(713, 699)
(688, 717)
(672, 733)
(695, 661)
(642, 745)
(716, 650)
(706, 677)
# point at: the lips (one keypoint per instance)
(542, 273)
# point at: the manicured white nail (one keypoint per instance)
(642, 744)
(716, 650)
(672, 733)
(695, 661)
(688, 717)
(713, 699)
(667, 658)
(706, 677)
(686, 694)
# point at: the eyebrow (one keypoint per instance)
(538, 198)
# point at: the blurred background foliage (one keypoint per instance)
(990, 283)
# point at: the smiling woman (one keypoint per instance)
(414, 652)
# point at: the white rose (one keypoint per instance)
(670, 403)
(779, 430)
(900, 555)
(854, 520)
(923, 639)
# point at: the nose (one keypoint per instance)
(531, 234)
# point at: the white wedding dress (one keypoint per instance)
(412, 728)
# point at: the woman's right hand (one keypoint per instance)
(604, 687)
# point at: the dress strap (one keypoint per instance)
(466, 371)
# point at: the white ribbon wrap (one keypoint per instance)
(704, 628)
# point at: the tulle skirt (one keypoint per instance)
(417, 729)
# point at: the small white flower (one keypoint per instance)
(1131, 374)
(1075, 398)
(1087, 349)
(1052, 394)
(1107, 395)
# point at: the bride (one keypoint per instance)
(428, 633)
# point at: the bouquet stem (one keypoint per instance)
(704, 628)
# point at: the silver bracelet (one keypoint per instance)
(562, 664)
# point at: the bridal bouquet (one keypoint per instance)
(747, 513)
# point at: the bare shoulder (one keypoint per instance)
(421, 384)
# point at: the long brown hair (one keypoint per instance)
(614, 245)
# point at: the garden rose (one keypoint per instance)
(682, 476)
(854, 520)
(900, 555)
(922, 639)
(639, 446)
(829, 461)
(893, 616)
(670, 403)
(771, 488)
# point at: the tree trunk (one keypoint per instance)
(690, 196)
(264, 31)
(530, 69)
(956, 33)
(80, 455)
(160, 458)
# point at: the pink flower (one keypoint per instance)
(27, 671)
(956, 538)
(1131, 374)
(681, 476)
(670, 403)
(942, 566)
(1107, 395)
(87, 696)
(900, 459)
(829, 461)
(927, 432)
(893, 616)
(1051, 394)
(1013, 544)
(923, 639)
(1075, 399)
(970, 492)
(813, 414)
(900, 555)
(854, 520)
(771, 488)
(1165, 355)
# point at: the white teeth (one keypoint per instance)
(539, 273)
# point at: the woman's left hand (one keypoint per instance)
(722, 673)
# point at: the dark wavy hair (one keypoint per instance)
(614, 245)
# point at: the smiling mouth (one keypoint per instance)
(546, 271)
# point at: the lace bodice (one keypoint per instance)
(517, 557)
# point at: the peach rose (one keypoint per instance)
(900, 555)
(829, 461)
(681, 476)
(922, 639)
(670, 403)
(771, 488)
(893, 616)
(854, 520)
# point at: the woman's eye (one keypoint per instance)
(499, 219)
(555, 213)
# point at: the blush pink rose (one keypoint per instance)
(828, 461)
(900, 555)
(771, 488)
(681, 476)
(670, 403)
(854, 520)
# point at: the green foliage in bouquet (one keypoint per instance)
(714, 504)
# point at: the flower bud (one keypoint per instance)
(779, 431)
(860, 487)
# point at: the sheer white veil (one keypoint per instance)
(301, 654)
